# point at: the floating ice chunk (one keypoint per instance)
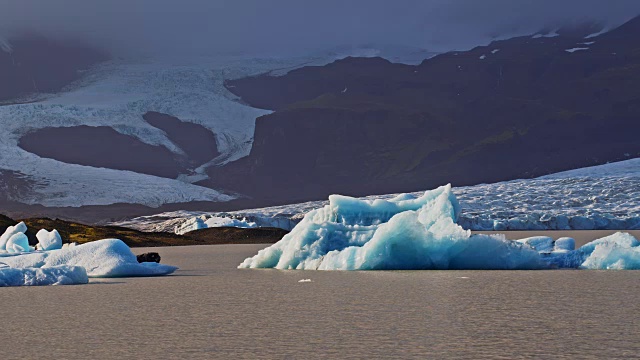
(21, 227)
(619, 251)
(56, 275)
(572, 50)
(18, 243)
(564, 244)
(495, 51)
(102, 258)
(304, 280)
(538, 243)
(49, 240)
(482, 57)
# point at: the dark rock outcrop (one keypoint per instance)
(149, 257)
(198, 142)
(102, 146)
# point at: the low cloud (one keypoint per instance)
(222, 26)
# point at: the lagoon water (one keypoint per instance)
(209, 310)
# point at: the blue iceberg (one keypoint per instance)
(420, 233)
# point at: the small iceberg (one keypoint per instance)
(421, 233)
(55, 264)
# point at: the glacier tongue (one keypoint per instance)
(595, 198)
(416, 233)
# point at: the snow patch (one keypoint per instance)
(548, 35)
(590, 36)
(572, 50)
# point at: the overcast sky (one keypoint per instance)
(200, 26)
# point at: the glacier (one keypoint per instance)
(601, 197)
(116, 94)
(420, 233)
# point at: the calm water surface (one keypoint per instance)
(210, 310)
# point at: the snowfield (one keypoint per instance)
(599, 197)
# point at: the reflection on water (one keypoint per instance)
(224, 312)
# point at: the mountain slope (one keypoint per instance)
(522, 107)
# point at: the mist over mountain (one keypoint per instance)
(196, 27)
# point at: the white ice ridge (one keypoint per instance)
(420, 233)
(204, 222)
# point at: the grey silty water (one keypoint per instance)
(210, 309)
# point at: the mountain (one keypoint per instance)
(517, 108)
(101, 139)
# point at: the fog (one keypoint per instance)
(222, 26)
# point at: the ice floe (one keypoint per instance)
(420, 233)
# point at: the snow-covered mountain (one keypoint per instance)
(598, 197)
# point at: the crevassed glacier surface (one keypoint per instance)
(420, 233)
(116, 94)
(602, 197)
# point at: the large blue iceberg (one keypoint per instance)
(414, 233)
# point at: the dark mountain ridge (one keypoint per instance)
(516, 108)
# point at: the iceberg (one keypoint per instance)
(49, 240)
(19, 228)
(56, 275)
(102, 258)
(420, 233)
(18, 243)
